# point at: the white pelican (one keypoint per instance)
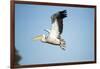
(54, 34)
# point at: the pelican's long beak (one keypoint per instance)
(39, 37)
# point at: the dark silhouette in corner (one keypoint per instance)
(17, 57)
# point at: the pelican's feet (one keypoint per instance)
(62, 44)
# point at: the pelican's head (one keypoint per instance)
(40, 37)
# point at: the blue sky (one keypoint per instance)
(78, 32)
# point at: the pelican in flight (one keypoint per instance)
(54, 34)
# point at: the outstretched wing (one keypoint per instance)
(57, 24)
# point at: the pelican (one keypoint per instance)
(54, 34)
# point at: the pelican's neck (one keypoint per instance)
(44, 38)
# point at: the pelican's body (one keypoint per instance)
(54, 34)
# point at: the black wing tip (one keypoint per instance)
(63, 13)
